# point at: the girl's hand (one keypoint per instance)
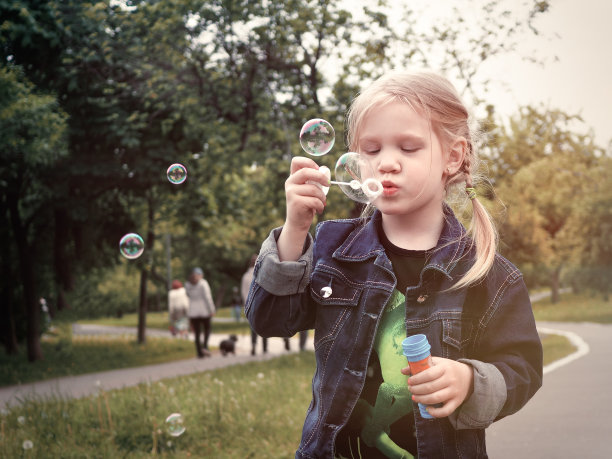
(304, 200)
(448, 382)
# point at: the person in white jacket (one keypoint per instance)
(201, 309)
(178, 306)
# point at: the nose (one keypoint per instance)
(387, 161)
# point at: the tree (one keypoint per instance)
(32, 128)
(539, 164)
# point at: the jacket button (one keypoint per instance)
(422, 298)
(326, 292)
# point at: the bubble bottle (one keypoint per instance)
(417, 350)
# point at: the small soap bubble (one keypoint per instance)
(326, 292)
(177, 174)
(131, 246)
(357, 178)
(317, 137)
(174, 424)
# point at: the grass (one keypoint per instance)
(253, 410)
(574, 308)
(65, 354)
(556, 347)
(159, 320)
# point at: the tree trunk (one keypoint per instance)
(7, 282)
(26, 268)
(142, 307)
(554, 285)
(144, 273)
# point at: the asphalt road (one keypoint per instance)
(571, 415)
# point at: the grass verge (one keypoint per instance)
(65, 355)
(574, 308)
(159, 320)
(255, 410)
(556, 347)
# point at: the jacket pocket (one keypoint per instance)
(446, 331)
(337, 298)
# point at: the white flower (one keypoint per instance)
(27, 444)
(21, 420)
(260, 375)
(169, 444)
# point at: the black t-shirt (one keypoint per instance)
(384, 390)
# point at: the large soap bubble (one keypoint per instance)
(131, 246)
(355, 177)
(317, 137)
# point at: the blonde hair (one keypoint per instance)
(437, 99)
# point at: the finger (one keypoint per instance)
(308, 174)
(426, 375)
(406, 371)
(300, 162)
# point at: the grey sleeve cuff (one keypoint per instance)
(282, 278)
(490, 392)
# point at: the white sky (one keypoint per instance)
(578, 32)
(580, 82)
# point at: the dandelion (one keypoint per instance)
(169, 444)
(21, 420)
(253, 383)
(260, 375)
(171, 391)
(27, 444)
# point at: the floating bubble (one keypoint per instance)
(174, 424)
(355, 177)
(131, 246)
(177, 174)
(317, 137)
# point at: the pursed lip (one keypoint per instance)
(389, 188)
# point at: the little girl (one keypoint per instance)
(409, 268)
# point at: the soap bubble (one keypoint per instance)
(131, 246)
(174, 424)
(357, 178)
(177, 174)
(317, 137)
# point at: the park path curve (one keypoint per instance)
(571, 415)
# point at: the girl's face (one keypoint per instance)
(406, 156)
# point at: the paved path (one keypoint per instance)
(83, 385)
(571, 415)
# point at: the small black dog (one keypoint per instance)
(228, 346)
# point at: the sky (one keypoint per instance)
(578, 82)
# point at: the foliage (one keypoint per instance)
(230, 412)
(540, 164)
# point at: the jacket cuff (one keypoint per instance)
(282, 278)
(490, 392)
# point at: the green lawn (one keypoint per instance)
(159, 320)
(255, 410)
(65, 354)
(574, 308)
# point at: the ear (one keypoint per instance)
(456, 156)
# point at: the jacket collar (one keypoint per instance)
(363, 243)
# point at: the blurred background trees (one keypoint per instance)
(98, 98)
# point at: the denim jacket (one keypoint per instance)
(489, 326)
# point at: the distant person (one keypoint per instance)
(178, 307)
(201, 309)
(236, 304)
(245, 285)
